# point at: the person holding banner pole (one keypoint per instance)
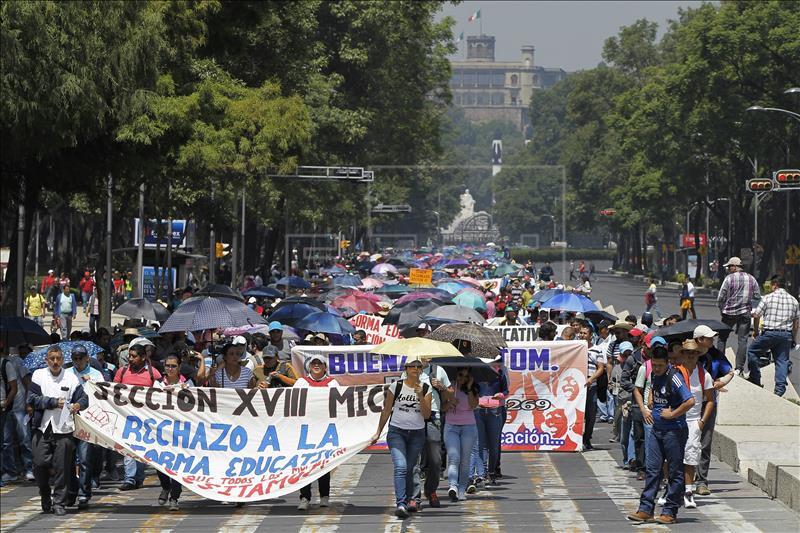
(316, 376)
(407, 405)
(171, 489)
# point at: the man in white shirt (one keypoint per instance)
(55, 396)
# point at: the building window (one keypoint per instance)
(535, 80)
(470, 78)
(455, 81)
(514, 80)
(514, 100)
(468, 99)
(498, 78)
(484, 78)
(457, 98)
(498, 99)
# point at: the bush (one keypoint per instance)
(539, 255)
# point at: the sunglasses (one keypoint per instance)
(170, 366)
(418, 367)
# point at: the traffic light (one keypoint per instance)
(759, 185)
(221, 250)
(787, 179)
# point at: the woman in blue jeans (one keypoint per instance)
(407, 406)
(489, 421)
(460, 433)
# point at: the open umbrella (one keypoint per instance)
(454, 313)
(410, 314)
(335, 270)
(598, 316)
(457, 263)
(16, 330)
(347, 281)
(684, 329)
(206, 312)
(394, 290)
(472, 281)
(384, 268)
(293, 282)
(357, 302)
(321, 322)
(36, 359)
(371, 283)
(220, 291)
(262, 292)
(484, 342)
(300, 300)
(143, 308)
(545, 295)
(451, 286)
(470, 299)
(292, 313)
(417, 347)
(480, 370)
(506, 268)
(570, 302)
(422, 295)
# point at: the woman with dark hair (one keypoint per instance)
(171, 488)
(233, 374)
(460, 432)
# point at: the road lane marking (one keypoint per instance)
(85, 521)
(23, 513)
(344, 481)
(552, 495)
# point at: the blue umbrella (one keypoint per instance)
(440, 275)
(206, 312)
(263, 292)
(292, 313)
(394, 290)
(451, 286)
(570, 302)
(457, 263)
(347, 281)
(321, 322)
(544, 295)
(470, 299)
(36, 359)
(294, 282)
(335, 270)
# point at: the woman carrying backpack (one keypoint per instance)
(406, 407)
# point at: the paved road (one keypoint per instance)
(541, 492)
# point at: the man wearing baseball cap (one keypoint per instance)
(719, 368)
(642, 387)
(275, 330)
(735, 300)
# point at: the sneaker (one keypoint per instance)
(688, 500)
(479, 481)
(639, 516)
(47, 506)
(453, 494)
(303, 505)
(83, 503)
(413, 506)
(401, 511)
(462, 497)
(59, 511)
(497, 473)
(640, 475)
(662, 500)
(324, 501)
(29, 476)
(587, 447)
(163, 497)
(492, 481)
(173, 505)
(472, 488)
(433, 500)
(128, 486)
(666, 519)
(9, 478)
(95, 484)
(703, 490)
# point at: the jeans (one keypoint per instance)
(701, 472)
(654, 306)
(85, 297)
(664, 444)
(430, 459)
(405, 446)
(632, 440)
(616, 427)
(606, 408)
(88, 466)
(66, 326)
(590, 413)
(741, 326)
(134, 471)
(14, 424)
(780, 343)
(173, 486)
(94, 321)
(459, 441)
(490, 426)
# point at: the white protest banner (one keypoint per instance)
(516, 333)
(233, 445)
(377, 333)
(352, 365)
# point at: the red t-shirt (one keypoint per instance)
(87, 284)
(140, 378)
(119, 284)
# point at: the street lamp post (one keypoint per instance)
(438, 230)
(792, 114)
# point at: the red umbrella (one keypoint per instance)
(357, 303)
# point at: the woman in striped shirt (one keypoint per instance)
(233, 374)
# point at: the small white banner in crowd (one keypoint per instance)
(234, 445)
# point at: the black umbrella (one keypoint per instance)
(480, 371)
(484, 342)
(16, 330)
(455, 313)
(598, 316)
(313, 302)
(205, 312)
(262, 292)
(220, 291)
(143, 308)
(684, 329)
(410, 314)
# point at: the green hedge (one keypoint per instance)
(521, 255)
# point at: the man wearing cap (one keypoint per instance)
(275, 330)
(735, 301)
(620, 332)
(778, 313)
(719, 368)
(633, 424)
(702, 387)
(35, 306)
(642, 387)
(511, 318)
(274, 372)
(87, 452)
(136, 373)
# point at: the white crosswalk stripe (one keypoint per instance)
(559, 510)
(344, 481)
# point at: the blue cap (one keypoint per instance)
(658, 341)
(275, 325)
(625, 347)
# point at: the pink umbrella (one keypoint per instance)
(357, 303)
(410, 297)
(371, 283)
(472, 281)
(383, 268)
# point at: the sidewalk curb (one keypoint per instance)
(668, 284)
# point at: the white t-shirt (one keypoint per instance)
(690, 289)
(697, 410)
(406, 412)
(302, 383)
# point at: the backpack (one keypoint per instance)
(685, 373)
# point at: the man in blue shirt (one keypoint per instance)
(88, 454)
(670, 399)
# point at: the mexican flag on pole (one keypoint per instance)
(475, 16)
